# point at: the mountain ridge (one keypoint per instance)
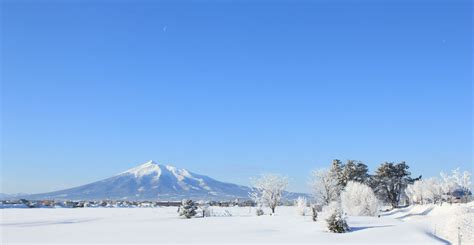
(153, 181)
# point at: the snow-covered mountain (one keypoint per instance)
(152, 181)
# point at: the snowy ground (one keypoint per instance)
(162, 225)
(445, 221)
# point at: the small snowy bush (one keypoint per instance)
(259, 212)
(314, 213)
(206, 210)
(337, 222)
(359, 200)
(301, 205)
(188, 208)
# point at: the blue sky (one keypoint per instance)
(231, 89)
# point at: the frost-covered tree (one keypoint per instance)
(462, 179)
(355, 171)
(257, 196)
(301, 205)
(269, 189)
(390, 181)
(458, 183)
(336, 222)
(359, 200)
(425, 191)
(433, 190)
(188, 208)
(415, 192)
(324, 186)
(449, 186)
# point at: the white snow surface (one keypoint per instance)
(445, 221)
(413, 225)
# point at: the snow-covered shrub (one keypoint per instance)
(256, 196)
(329, 209)
(337, 222)
(188, 208)
(205, 210)
(301, 205)
(359, 200)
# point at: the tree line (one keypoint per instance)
(388, 182)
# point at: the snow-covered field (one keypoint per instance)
(414, 225)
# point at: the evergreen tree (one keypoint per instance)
(355, 171)
(337, 222)
(336, 172)
(390, 181)
(188, 208)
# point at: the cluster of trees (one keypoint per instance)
(439, 190)
(388, 183)
(360, 192)
(349, 189)
(353, 191)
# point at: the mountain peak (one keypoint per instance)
(148, 168)
(151, 162)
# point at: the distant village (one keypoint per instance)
(23, 203)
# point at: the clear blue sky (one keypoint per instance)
(231, 89)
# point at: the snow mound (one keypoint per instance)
(445, 221)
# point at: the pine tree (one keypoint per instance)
(354, 171)
(188, 208)
(336, 172)
(337, 222)
(390, 181)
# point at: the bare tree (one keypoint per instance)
(325, 186)
(269, 189)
